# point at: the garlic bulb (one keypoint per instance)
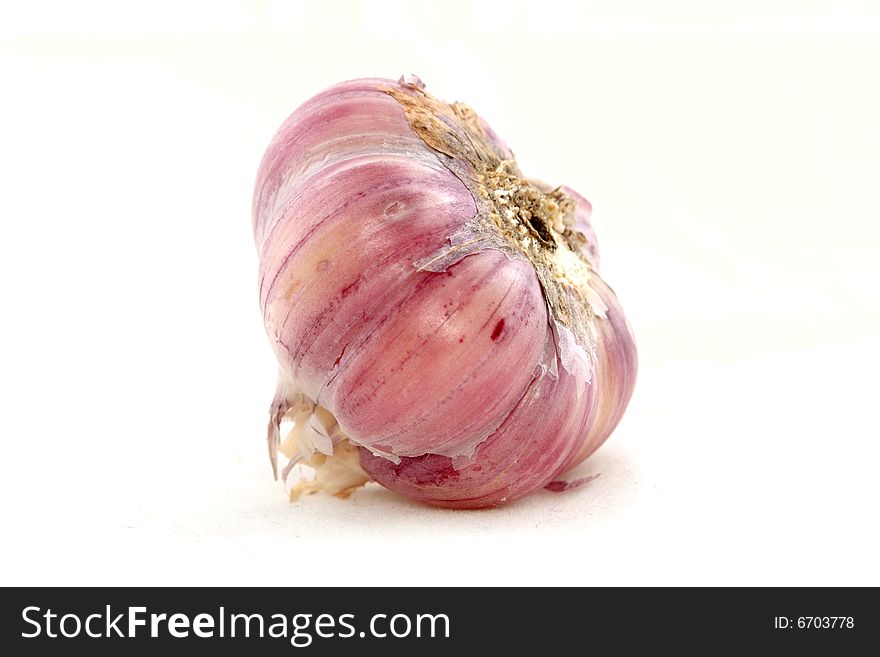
(437, 317)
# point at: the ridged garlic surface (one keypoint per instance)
(438, 317)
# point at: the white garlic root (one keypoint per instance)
(320, 457)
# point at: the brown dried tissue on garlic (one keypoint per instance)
(515, 214)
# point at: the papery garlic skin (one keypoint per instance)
(471, 354)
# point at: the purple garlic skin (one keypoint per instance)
(438, 318)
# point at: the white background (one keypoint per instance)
(731, 154)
